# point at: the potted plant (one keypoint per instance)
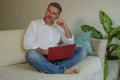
(111, 33)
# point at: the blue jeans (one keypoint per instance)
(38, 61)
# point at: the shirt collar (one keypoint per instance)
(43, 22)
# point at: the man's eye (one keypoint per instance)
(54, 14)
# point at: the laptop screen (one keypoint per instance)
(61, 52)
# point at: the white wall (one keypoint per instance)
(75, 12)
(78, 12)
(18, 13)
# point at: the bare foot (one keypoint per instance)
(71, 71)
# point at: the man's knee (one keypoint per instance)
(32, 53)
(82, 52)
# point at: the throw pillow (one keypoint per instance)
(95, 45)
(84, 40)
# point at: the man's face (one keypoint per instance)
(52, 13)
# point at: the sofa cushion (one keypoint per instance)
(84, 40)
(11, 51)
(87, 67)
(95, 45)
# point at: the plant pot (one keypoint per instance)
(113, 69)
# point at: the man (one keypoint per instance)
(45, 33)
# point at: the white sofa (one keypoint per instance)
(14, 67)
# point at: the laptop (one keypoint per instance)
(60, 52)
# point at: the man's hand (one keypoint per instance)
(62, 24)
(43, 52)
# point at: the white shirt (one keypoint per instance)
(39, 34)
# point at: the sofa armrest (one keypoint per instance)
(99, 48)
(11, 51)
(102, 50)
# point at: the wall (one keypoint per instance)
(18, 13)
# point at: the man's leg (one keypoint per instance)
(38, 61)
(79, 54)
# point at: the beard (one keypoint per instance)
(49, 20)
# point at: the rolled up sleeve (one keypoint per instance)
(68, 40)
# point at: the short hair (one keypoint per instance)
(57, 5)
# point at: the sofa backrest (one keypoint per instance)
(11, 50)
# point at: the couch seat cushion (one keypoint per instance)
(24, 72)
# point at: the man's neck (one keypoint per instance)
(49, 23)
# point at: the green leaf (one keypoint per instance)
(117, 51)
(104, 18)
(105, 21)
(117, 33)
(95, 33)
(113, 46)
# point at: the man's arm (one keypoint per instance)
(29, 37)
(68, 33)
